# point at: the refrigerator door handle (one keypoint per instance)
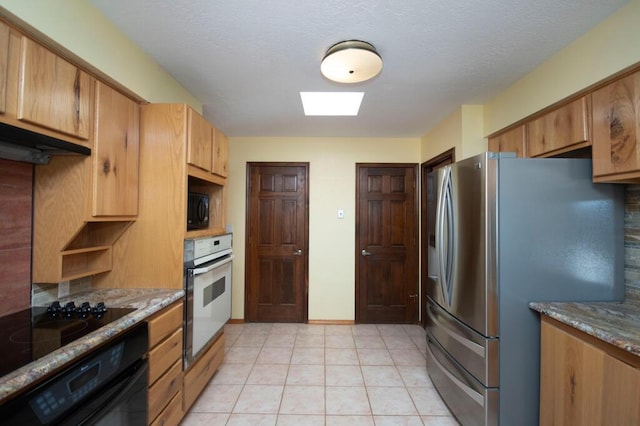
(449, 235)
(439, 230)
(444, 234)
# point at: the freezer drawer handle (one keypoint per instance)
(479, 349)
(477, 397)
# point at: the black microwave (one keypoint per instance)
(197, 211)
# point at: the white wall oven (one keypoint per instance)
(207, 282)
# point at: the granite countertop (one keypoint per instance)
(146, 301)
(616, 323)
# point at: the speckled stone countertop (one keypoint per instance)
(615, 323)
(146, 301)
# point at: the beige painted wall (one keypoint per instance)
(82, 29)
(332, 186)
(612, 45)
(462, 129)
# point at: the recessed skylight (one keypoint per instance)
(331, 103)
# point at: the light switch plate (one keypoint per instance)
(340, 213)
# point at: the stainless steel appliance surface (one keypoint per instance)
(207, 282)
(108, 386)
(505, 231)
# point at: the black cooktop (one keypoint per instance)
(33, 333)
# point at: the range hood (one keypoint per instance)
(24, 145)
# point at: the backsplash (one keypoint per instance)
(632, 241)
(16, 201)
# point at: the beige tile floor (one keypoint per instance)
(298, 374)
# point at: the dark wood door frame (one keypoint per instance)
(305, 255)
(358, 242)
(447, 157)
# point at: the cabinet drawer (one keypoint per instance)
(162, 391)
(165, 323)
(171, 415)
(199, 375)
(164, 355)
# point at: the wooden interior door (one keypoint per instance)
(447, 157)
(386, 249)
(277, 241)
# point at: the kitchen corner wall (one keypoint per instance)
(16, 199)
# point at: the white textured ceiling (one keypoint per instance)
(247, 60)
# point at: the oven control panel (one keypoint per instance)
(76, 385)
(202, 247)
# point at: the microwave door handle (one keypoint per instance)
(212, 266)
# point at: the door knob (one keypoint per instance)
(413, 296)
(365, 253)
(297, 252)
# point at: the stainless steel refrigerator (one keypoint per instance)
(502, 232)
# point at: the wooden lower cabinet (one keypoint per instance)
(172, 414)
(200, 373)
(585, 381)
(165, 366)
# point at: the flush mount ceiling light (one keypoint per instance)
(351, 61)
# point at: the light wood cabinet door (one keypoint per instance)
(220, 154)
(510, 141)
(616, 128)
(53, 93)
(4, 65)
(199, 141)
(581, 384)
(116, 154)
(560, 130)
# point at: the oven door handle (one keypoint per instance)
(210, 267)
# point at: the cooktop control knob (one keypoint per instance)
(69, 309)
(84, 310)
(100, 307)
(54, 309)
(99, 310)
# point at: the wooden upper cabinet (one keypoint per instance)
(509, 141)
(53, 93)
(220, 154)
(116, 154)
(560, 130)
(4, 65)
(199, 141)
(616, 130)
